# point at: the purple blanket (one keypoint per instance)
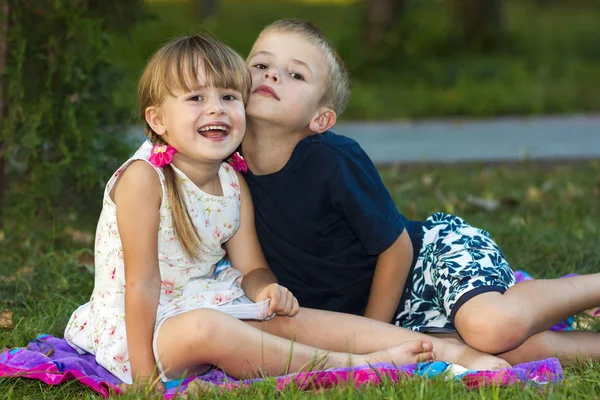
(53, 361)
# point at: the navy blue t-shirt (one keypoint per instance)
(322, 221)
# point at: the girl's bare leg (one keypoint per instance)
(354, 334)
(189, 341)
(496, 323)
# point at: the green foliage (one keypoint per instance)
(61, 129)
(548, 62)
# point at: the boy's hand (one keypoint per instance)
(282, 301)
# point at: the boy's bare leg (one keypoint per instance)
(354, 334)
(188, 342)
(496, 323)
(568, 346)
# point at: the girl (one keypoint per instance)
(160, 306)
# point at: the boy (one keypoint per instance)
(332, 234)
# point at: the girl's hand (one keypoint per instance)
(282, 301)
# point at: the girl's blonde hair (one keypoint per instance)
(173, 69)
(337, 90)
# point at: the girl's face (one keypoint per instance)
(205, 125)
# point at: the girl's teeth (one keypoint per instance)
(213, 127)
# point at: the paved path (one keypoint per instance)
(505, 139)
(492, 140)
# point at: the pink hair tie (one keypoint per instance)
(162, 155)
(237, 162)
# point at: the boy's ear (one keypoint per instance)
(155, 120)
(325, 120)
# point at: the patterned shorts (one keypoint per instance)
(456, 263)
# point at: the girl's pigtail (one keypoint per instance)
(182, 222)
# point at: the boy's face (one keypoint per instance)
(288, 80)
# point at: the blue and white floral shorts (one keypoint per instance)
(456, 263)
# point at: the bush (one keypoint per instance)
(60, 132)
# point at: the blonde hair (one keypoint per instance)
(175, 68)
(337, 90)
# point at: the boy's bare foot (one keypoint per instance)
(475, 360)
(453, 349)
(406, 353)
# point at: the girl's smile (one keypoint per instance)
(215, 130)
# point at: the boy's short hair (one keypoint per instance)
(337, 91)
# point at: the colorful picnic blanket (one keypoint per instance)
(53, 361)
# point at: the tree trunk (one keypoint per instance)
(4, 10)
(208, 8)
(381, 15)
(481, 22)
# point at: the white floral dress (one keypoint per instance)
(98, 327)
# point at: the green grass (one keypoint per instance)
(547, 224)
(549, 63)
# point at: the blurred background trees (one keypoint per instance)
(381, 16)
(208, 9)
(413, 58)
(59, 128)
(69, 70)
(480, 23)
(3, 56)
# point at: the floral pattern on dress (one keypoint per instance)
(98, 327)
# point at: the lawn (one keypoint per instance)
(548, 64)
(546, 221)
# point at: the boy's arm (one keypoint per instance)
(391, 272)
(361, 198)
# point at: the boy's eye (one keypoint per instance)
(260, 66)
(229, 97)
(296, 75)
(196, 98)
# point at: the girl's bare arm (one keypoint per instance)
(137, 195)
(246, 255)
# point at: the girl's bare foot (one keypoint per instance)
(406, 353)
